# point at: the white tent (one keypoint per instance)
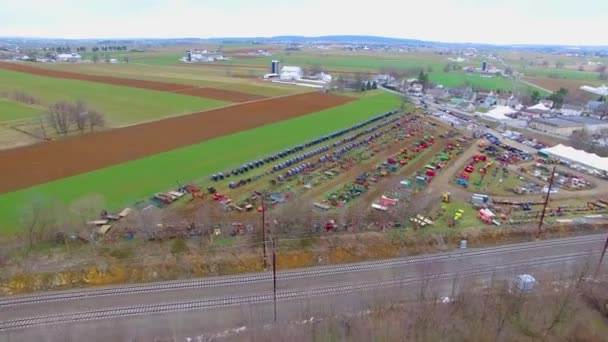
(584, 158)
(603, 90)
(540, 106)
(499, 113)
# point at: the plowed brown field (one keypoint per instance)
(211, 93)
(220, 94)
(30, 165)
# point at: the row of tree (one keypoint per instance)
(557, 97)
(63, 117)
(369, 85)
(109, 48)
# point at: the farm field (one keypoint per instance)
(122, 105)
(10, 110)
(225, 95)
(562, 73)
(237, 80)
(573, 86)
(455, 79)
(125, 183)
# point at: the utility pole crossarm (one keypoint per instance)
(542, 215)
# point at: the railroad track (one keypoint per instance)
(288, 275)
(282, 295)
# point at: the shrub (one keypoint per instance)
(179, 246)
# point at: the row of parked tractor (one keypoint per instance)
(336, 153)
(309, 166)
(289, 151)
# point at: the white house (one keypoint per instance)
(324, 77)
(68, 57)
(291, 73)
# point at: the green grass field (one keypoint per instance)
(122, 105)
(126, 183)
(561, 73)
(10, 110)
(454, 79)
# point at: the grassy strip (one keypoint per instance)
(10, 110)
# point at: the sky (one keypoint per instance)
(567, 22)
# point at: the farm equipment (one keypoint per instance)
(486, 216)
(447, 197)
(463, 182)
(163, 198)
(105, 215)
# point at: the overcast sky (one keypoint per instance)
(573, 22)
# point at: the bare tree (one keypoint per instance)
(40, 126)
(203, 223)
(38, 220)
(86, 208)
(79, 115)
(315, 69)
(60, 117)
(96, 119)
(292, 217)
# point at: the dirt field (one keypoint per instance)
(35, 164)
(211, 93)
(573, 86)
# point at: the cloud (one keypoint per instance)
(516, 21)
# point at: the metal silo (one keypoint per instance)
(274, 68)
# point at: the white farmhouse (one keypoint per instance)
(291, 73)
(68, 57)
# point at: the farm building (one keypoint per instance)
(201, 57)
(594, 107)
(556, 126)
(590, 124)
(570, 110)
(573, 156)
(291, 73)
(68, 57)
(603, 90)
(541, 107)
(498, 114)
(327, 78)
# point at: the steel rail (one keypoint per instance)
(287, 275)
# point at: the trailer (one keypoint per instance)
(379, 207)
(125, 212)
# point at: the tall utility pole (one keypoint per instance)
(264, 233)
(274, 277)
(542, 214)
(263, 230)
(599, 264)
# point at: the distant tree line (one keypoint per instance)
(109, 48)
